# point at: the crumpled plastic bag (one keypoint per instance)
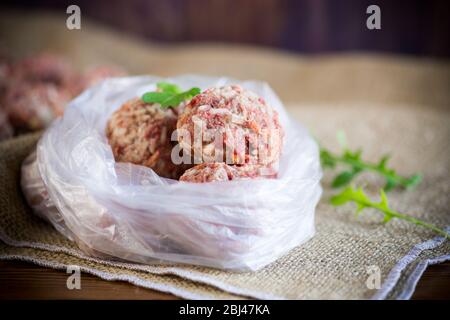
(127, 212)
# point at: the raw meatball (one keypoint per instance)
(234, 120)
(219, 171)
(6, 131)
(140, 133)
(32, 106)
(93, 76)
(4, 74)
(45, 68)
(34, 90)
(97, 74)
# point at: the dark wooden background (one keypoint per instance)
(19, 280)
(417, 27)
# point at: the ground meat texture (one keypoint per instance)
(4, 74)
(219, 171)
(209, 172)
(93, 76)
(97, 74)
(140, 133)
(32, 106)
(35, 90)
(248, 129)
(6, 130)
(43, 68)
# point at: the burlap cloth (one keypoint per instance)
(384, 104)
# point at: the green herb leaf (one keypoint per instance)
(169, 95)
(327, 159)
(411, 182)
(383, 162)
(362, 201)
(189, 93)
(157, 97)
(342, 179)
(355, 164)
(168, 87)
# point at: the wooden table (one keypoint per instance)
(19, 280)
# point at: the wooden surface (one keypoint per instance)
(19, 280)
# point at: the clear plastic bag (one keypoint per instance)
(128, 212)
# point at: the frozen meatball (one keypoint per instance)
(140, 133)
(93, 76)
(220, 171)
(6, 131)
(4, 74)
(43, 68)
(4, 113)
(209, 172)
(35, 90)
(230, 124)
(32, 106)
(97, 74)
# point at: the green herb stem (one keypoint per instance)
(419, 222)
(385, 172)
(353, 160)
(363, 201)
